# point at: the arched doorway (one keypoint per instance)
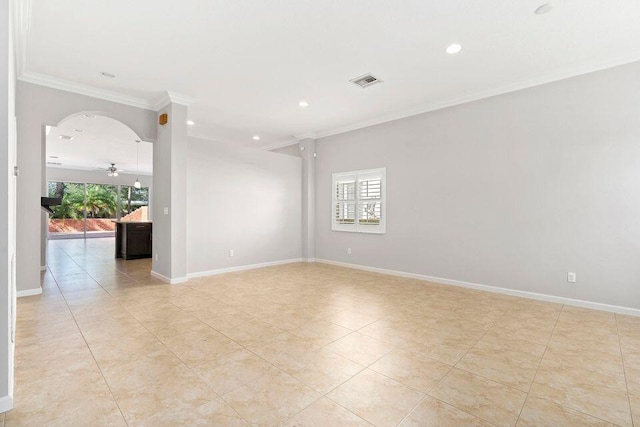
(102, 170)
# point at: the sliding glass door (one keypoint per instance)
(68, 219)
(101, 208)
(89, 210)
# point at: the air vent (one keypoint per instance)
(54, 163)
(366, 80)
(65, 137)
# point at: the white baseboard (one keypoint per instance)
(506, 291)
(6, 403)
(243, 267)
(168, 279)
(29, 292)
(308, 260)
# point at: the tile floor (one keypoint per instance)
(309, 345)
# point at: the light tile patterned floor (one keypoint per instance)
(309, 345)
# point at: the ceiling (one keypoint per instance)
(97, 142)
(248, 63)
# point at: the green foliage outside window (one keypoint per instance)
(101, 200)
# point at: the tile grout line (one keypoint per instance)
(157, 338)
(141, 324)
(89, 348)
(172, 352)
(322, 395)
(455, 366)
(242, 346)
(624, 369)
(554, 402)
(540, 363)
(352, 294)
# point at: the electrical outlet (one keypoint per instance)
(230, 252)
(166, 211)
(156, 257)
(349, 251)
(571, 277)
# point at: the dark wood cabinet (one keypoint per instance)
(133, 239)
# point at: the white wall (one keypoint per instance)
(241, 199)
(7, 202)
(37, 106)
(512, 191)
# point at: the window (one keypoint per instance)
(88, 210)
(134, 203)
(359, 201)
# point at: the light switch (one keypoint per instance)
(166, 211)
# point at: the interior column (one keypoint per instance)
(307, 152)
(169, 210)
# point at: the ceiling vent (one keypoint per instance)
(54, 163)
(366, 80)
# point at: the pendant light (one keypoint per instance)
(137, 183)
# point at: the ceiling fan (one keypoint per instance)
(111, 170)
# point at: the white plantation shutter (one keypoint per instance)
(359, 201)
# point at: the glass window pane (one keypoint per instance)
(369, 213)
(101, 209)
(134, 203)
(345, 213)
(67, 219)
(346, 190)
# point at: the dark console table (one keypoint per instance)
(133, 239)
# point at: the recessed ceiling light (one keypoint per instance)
(453, 48)
(108, 75)
(53, 157)
(79, 130)
(303, 103)
(256, 138)
(90, 116)
(545, 8)
(65, 137)
(191, 122)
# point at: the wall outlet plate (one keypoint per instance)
(571, 277)
(230, 252)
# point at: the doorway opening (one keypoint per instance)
(102, 171)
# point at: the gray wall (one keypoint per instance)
(241, 199)
(512, 191)
(7, 203)
(291, 150)
(37, 106)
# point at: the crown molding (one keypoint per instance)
(305, 135)
(172, 98)
(80, 89)
(297, 138)
(21, 32)
(501, 90)
(281, 144)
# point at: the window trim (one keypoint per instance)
(356, 227)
